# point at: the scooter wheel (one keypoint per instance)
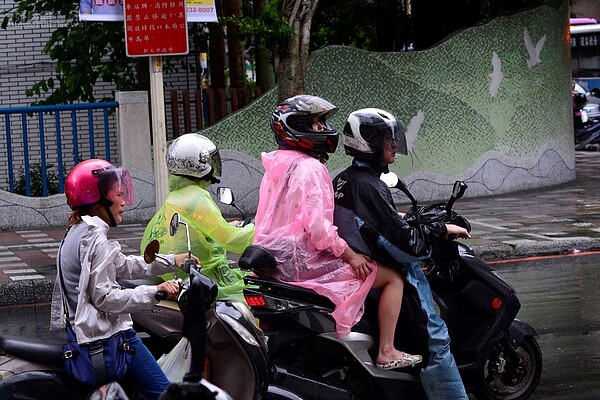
(501, 380)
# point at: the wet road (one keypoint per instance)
(558, 299)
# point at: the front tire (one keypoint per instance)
(500, 380)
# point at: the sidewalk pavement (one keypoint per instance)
(561, 219)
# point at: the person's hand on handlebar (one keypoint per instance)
(456, 232)
(180, 259)
(171, 288)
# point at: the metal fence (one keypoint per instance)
(37, 138)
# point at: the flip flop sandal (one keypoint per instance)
(406, 361)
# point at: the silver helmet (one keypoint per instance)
(194, 155)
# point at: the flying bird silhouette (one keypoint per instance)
(412, 130)
(533, 51)
(496, 76)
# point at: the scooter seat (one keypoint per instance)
(256, 257)
(43, 351)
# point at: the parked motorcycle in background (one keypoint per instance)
(586, 117)
(497, 355)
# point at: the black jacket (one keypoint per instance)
(359, 192)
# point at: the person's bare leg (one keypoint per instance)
(390, 304)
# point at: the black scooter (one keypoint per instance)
(497, 355)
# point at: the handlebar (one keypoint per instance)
(160, 295)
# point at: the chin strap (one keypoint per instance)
(106, 204)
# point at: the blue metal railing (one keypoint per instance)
(58, 110)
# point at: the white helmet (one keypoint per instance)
(194, 155)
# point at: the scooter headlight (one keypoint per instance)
(240, 330)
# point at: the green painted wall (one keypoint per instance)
(480, 106)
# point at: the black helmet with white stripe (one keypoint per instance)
(367, 130)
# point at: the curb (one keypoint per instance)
(26, 292)
(531, 248)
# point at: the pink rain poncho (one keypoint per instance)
(294, 221)
(211, 236)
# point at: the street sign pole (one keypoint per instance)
(159, 132)
(153, 30)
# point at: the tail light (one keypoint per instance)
(261, 300)
(255, 300)
(496, 303)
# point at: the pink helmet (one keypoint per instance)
(90, 180)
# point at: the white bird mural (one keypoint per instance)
(496, 76)
(412, 131)
(533, 51)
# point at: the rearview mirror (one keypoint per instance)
(390, 179)
(150, 251)
(393, 181)
(174, 225)
(225, 195)
(458, 190)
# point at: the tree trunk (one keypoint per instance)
(237, 66)
(216, 55)
(264, 69)
(291, 60)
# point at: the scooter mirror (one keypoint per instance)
(151, 250)
(390, 179)
(225, 195)
(173, 228)
(174, 225)
(459, 189)
(393, 181)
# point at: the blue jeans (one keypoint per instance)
(144, 371)
(440, 378)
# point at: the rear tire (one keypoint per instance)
(501, 381)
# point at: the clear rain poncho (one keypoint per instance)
(294, 221)
(211, 236)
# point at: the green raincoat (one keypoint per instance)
(211, 236)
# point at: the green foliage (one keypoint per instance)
(270, 28)
(35, 179)
(345, 22)
(85, 53)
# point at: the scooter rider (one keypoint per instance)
(87, 297)
(368, 220)
(194, 164)
(294, 221)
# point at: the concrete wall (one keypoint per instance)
(477, 107)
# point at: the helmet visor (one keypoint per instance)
(115, 184)
(397, 140)
(216, 164)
